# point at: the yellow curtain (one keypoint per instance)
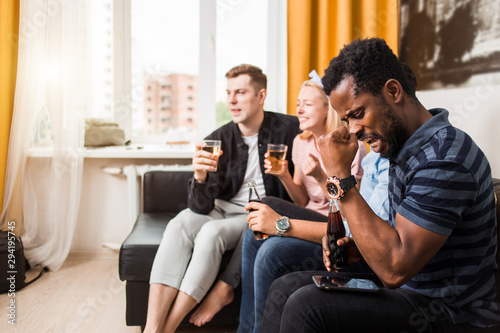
(318, 29)
(9, 31)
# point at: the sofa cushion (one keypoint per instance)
(139, 249)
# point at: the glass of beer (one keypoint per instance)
(213, 147)
(276, 153)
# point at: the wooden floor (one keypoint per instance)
(85, 295)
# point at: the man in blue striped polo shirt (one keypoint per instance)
(436, 256)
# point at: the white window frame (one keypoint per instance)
(122, 65)
(277, 71)
(276, 58)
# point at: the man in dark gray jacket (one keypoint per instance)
(189, 255)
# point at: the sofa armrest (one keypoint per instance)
(138, 251)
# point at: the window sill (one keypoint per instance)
(133, 151)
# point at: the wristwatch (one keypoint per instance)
(282, 225)
(338, 187)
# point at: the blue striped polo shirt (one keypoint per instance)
(442, 182)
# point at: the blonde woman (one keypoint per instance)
(306, 186)
(299, 247)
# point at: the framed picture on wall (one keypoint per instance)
(448, 42)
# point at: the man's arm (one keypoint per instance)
(201, 194)
(396, 253)
(263, 218)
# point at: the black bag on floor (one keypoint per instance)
(13, 264)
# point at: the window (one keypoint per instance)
(101, 64)
(164, 55)
(157, 47)
(236, 46)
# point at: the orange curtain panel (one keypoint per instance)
(318, 29)
(9, 29)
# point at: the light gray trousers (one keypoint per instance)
(190, 252)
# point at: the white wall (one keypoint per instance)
(104, 206)
(475, 110)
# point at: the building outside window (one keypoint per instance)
(163, 57)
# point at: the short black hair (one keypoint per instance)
(410, 75)
(371, 63)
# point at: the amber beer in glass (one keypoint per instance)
(213, 147)
(253, 196)
(335, 231)
(276, 153)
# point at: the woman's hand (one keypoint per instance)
(284, 169)
(312, 167)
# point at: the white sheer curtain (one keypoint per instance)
(48, 110)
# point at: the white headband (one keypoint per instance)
(315, 77)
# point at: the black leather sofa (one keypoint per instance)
(164, 195)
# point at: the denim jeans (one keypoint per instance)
(264, 261)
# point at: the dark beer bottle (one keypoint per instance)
(335, 231)
(253, 196)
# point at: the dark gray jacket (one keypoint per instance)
(227, 181)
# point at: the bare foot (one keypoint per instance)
(221, 295)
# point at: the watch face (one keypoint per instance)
(332, 188)
(338, 187)
(283, 224)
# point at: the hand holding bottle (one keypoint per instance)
(334, 232)
(262, 218)
(353, 253)
(253, 196)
